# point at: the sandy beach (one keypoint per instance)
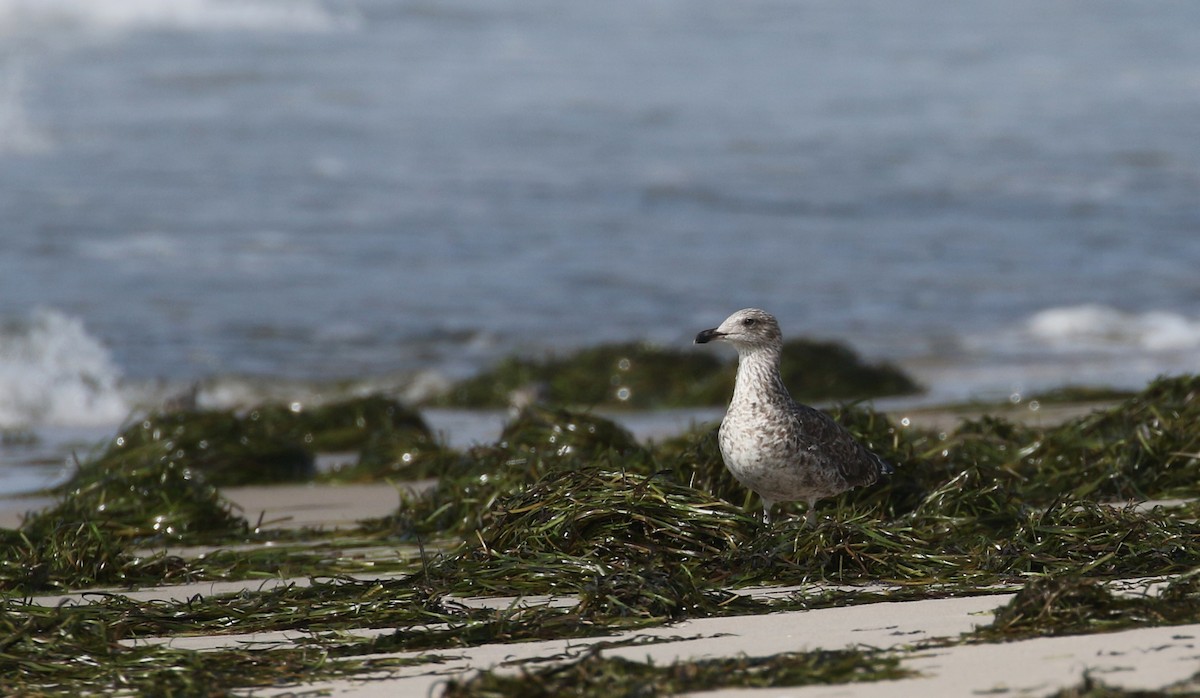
(1136, 659)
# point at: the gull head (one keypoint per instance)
(746, 329)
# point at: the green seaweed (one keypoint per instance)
(86, 538)
(49, 651)
(150, 494)
(594, 674)
(277, 442)
(629, 375)
(1091, 687)
(567, 502)
(573, 527)
(821, 370)
(344, 425)
(111, 511)
(537, 441)
(226, 448)
(559, 432)
(76, 556)
(643, 376)
(1073, 605)
(1147, 446)
(615, 515)
(962, 507)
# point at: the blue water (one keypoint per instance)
(1000, 197)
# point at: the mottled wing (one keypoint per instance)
(822, 434)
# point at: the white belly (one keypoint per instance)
(763, 461)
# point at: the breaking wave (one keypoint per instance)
(52, 372)
(1100, 327)
(199, 15)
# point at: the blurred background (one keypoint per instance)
(272, 195)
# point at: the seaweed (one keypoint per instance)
(391, 440)
(568, 502)
(227, 448)
(643, 376)
(85, 555)
(1072, 604)
(963, 507)
(614, 515)
(652, 592)
(594, 674)
(1091, 687)
(591, 523)
(560, 432)
(74, 556)
(149, 494)
(86, 538)
(66, 650)
(384, 457)
(455, 506)
(598, 532)
(536, 442)
(629, 375)
(1147, 446)
(329, 604)
(343, 425)
(822, 370)
(277, 442)
(980, 537)
(1059, 606)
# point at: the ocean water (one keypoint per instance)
(268, 195)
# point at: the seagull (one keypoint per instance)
(780, 449)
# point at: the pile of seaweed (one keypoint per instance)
(596, 675)
(156, 483)
(1072, 605)
(993, 502)
(564, 498)
(570, 502)
(73, 649)
(273, 442)
(644, 376)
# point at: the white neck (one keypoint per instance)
(758, 367)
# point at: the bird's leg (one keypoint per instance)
(767, 504)
(810, 516)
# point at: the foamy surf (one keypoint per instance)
(1093, 327)
(54, 373)
(185, 15)
(1085, 344)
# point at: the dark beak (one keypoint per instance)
(708, 335)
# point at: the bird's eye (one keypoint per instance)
(748, 322)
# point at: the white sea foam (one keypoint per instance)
(198, 15)
(1100, 327)
(1087, 344)
(52, 372)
